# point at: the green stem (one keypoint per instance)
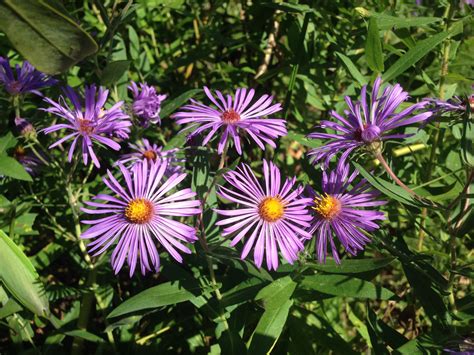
(390, 172)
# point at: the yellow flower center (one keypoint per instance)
(327, 206)
(139, 211)
(150, 155)
(271, 209)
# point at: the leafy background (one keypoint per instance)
(408, 292)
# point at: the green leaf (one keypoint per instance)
(387, 188)
(47, 37)
(114, 71)
(276, 298)
(170, 106)
(350, 66)
(162, 295)
(244, 291)
(351, 266)
(231, 343)
(85, 335)
(411, 57)
(345, 286)
(12, 168)
(269, 327)
(373, 47)
(387, 22)
(7, 141)
(20, 278)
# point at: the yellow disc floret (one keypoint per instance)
(271, 209)
(139, 211)
(327, 206)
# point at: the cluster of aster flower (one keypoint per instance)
(272, 215)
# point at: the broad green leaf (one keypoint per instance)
(345, 286)
(20, 278)
(114, 71)
(269, 327)
(276, 298)
(47, 37)
(373, 47)
(351, 67)
(12, 168)
(162, 295)
(411, 57)
(9, 308)
(387, 22)
(7, 141)
(351, 266)
(302, 139)
(231, 343)
(244, 291)
(169, 106)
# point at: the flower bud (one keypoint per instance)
(25, 128)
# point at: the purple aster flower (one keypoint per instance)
(455, 104)
(146, 103)
(24, 127)
(367, 122)
(139, 214)
(338, 211)
(234, 116)
(31, 163)
(272, 217)
(89, 124)
(144, 150)
(27, 80)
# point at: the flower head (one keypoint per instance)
(139, 216)
(367, 122)
(144, 150)
(24, 127)
(338, 211)
(456, 104)
(234, 116)
(27, 80)
(146, 103)
(89, 124)
(272, 216)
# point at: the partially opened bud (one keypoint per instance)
(25, 128)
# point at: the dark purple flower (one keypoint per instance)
(91, 123)
(144, 150)
(234, 116)
(339, 211)
(455, 104)
(139, 216)
(146, 103)
(27, 80)
(31, 163)
(367, 122)
(24, 127)
(273, 215)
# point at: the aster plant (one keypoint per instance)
(339, 211)
(25, 79)
(146, 103)
(89, 123)
(145, 150)
(139, 217)
(233, 117)
(272, 216)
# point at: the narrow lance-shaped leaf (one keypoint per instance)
(20, 278)
(373, 47)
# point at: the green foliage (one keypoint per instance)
(408, 292)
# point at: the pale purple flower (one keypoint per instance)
(367, 122)
(89, 123)
(339, 211)
(455, 104)
(272, 216)
(26, 80)
(144, 150)
(233, 117)
(146, 103)
(139, 217)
